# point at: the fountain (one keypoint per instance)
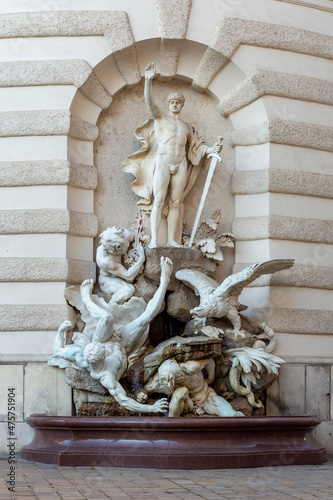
(183, 388)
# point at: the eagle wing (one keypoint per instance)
(201, 284)
(234, 284)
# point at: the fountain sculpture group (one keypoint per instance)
(215, 362)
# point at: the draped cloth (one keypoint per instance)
(142, 163)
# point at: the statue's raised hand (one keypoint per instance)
(140, 252)
(67, 325)
(166, 266)
(150, 72)
(160, 406)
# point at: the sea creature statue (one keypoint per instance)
(217, 301)
(251, 360)
(105, 354)
(114, 278)
(188, 388)
(248, 365)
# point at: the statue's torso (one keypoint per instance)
(115, 362)
(197, 386)
(171, 136)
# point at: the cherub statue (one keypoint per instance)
(169, 161)
(106, 356)
(114, 278)
(189, 389)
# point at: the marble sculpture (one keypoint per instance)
(188, 388)
(222, 300)
(106, 355)
(114, 277)
(226, 369)
(168, 163)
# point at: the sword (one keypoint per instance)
(215, 158)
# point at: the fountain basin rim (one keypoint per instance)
(174, 423)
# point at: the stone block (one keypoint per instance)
(179, 348)
(180, 303)
(272, 401)
(23, 433)
(16, 347)
(83, 381)
(331, 409)
(172, 17)
(11, 377)
(323, 434)
(292, 389)
(31, 317)
(45, 391)
(317, 394)
(144, 288)
(180, 258)
(80, 397)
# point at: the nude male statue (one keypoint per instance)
(106, 357)
(175, 169)
(189, 389)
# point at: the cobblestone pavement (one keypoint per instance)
(43, 481)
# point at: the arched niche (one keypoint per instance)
(115, 203)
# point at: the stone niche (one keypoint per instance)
(115, 203)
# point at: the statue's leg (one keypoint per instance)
(177, 186)
(135, 333)
(125, 293)
(234, 317)
(177, 403)
(117, 287)
(216, 405)
(59, 341)
(108, 284)
(104, 327)
(160, 188)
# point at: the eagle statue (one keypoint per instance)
(217, 301)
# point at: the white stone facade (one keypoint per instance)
(267, 66)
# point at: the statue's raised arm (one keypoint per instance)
(150, 74)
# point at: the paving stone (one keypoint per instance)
(41, 481)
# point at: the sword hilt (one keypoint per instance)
(215, 155)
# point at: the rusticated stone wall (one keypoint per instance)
(268, 66)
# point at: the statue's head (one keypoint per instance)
(116, 240)
(170, 373)
(94, 352)
(176, 101)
